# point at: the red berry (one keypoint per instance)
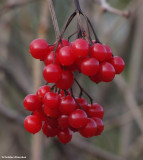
(98, 51)
(52, 73)
(118, 63)
(40, 113)
(66, 80)
(42, 91)
(89, 130)
(49, 131)
(32, 124)
(53, 113)
(67, 105)
(109, 52)
(78, 118)
(100, 125)
(80, 48)
(96, 78)
(52, 122)
(64, 43)
(65, 56)
(65, 135)
(50, 59)
(107, 72)
(31, 102)
(39, 48)
(63, 121)
(95, 110)
(72, 67)
(52, 100)
(78, 62)
(89, 66)
(83, 103)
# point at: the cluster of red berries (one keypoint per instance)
(95, 61)
(59, 114)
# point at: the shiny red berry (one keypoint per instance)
(98, 51)
(80, 48)
(65, 135)
(89, 130)
(52, 73)
(40, 113)
(65, 56)
(83, 103)
(95, 110)
(66, 80)
(63, 121)
(100, 125)
(31, 102)
(53, 113)
(78, 118)
(52, 100)
(50, 59)
(108, 52)
(42, 91)
(89, 66)
(67, 105)
(39, 48)
(118, 63)
(107, 72)
(32, 124)
(96, 78)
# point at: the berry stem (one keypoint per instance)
(77, 5)
(54, 19)
(91, 100)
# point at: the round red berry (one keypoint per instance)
(63, 121)
(83, 103)
(96, 78)
(100, 125)
(32, 124)
(108, 52)
(53, 113)
(50, 59)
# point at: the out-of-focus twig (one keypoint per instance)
(105, 6)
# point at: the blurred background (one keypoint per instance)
(20, 74)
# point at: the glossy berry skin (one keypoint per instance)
(40, 113)
(49, 131)
(65, 56)
(66, 80)
(65, 135)
(96, 78)
(78, 118)
(80, 48)
(63, 121)
(89, 130)
(83, 103)
(52, 122)
(118, 63)
(39, 48)
(108, 53)
(64, 43)
(52, 100)
(89, 66)
(52, 73)
(32, 124)
(31, 102)
(107, 72)
(95, 110)
(67, 105)
(50, 59)
(98, 51)
(100, 125)
(53, 113)
(42, 91)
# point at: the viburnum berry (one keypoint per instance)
(107, 72)
(53, 113)
(31, 102)
(108, 53)
(63, 44)
(66, 80)
(89, 66)
(77, 118)
(40, 113)
(42, 91)
(39, 49)
(100, 125)
(49, 59)
(65, 135)
(67, 105)
(90, 129)
(52, 100)
(98, 51)
(53, 122)
(63, 121)
(118, 63)
(83, 103)
(65, 56)
(52, 73)
(80, 48)
(32, 124)
(95, 110)
(96, 78)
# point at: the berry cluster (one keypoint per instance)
(96, 61)
(62, 114)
